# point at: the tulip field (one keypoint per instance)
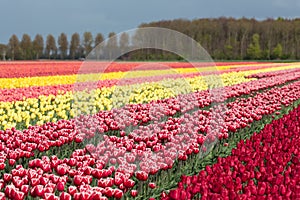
(149, 133)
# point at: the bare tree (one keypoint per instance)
(112, 45)
(63, 45)
(75, 46)
(3, 50)
(87, 42)
(98, 40)
(51, 48)
(38, 46)
(26, 47)
(14, 47)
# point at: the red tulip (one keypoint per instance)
(2, 166)
(77, 180)
(65, 196)
(72, 190)
(118, 194)
(7, 177)
(174, 194)
(72, 162)
(49, 196)
(25, 189)
(141, 175)
(133, 193)
(11, 162)
(60, 186)
(152, 185)
(61, 170)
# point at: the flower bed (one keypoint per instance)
(86, 175)
(266, 166)
(47, 108)
(142, 150)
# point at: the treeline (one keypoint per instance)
(241, 39)
(223, 38)
(49, 48)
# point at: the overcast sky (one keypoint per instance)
(69, 16)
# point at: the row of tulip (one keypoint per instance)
(266, 166)
(22, 114)
(31, 111)
(18, 94)
(31, 69)
(133, 115)
(83, 76)
(126, 150)
(46, 185)
(275, 73)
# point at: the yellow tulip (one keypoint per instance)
(51, 108)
